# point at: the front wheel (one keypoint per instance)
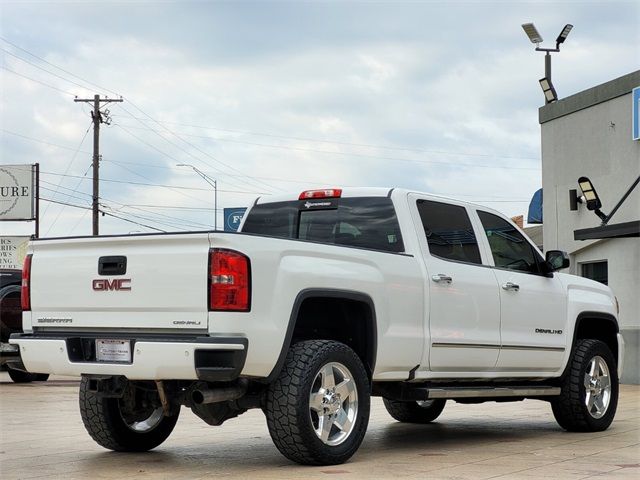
(589, 396)
(422, 411)
(318, 408)
(133, 423)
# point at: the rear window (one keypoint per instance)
(364, 222)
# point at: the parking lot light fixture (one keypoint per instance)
(548, 90)
(213, 183)
(532, 32)
(535, 37)
(564, 34)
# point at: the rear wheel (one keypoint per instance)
(589, 395)
(424, 411)
(318, 408)
(133, 423)
(19, 376)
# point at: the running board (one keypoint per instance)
(491, 392)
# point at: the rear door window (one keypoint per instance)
(364, 222)
(449, 231)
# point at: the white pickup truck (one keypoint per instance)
(323, 300)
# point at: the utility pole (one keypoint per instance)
(96, 115)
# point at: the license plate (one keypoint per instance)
(113, 350)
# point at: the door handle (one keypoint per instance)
(441, 277)
(511, 286)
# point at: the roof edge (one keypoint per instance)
(590, 97)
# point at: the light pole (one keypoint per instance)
(214, 184)
(535, 37)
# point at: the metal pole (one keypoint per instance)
(215, 205)
(624, 197)
(37, 233)
(96, 162)
(547, 70)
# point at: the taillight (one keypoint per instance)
(327, 193)
(229, 281)
(25, 289)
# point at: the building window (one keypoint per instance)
(597, 271)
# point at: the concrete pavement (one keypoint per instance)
(42, 436)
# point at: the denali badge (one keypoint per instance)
(546, 330)
(100, 284)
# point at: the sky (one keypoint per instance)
(272, 97)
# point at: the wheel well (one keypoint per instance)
(345, 320)
(599, 327)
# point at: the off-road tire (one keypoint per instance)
(412, 412)
(287, 406)
(102, 419)
(569, 409)
(18, 376)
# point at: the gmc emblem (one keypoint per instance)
(100, 285)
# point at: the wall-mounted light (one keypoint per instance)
(592, 200)
(590, 195)
(589, 198)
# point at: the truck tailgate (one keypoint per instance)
(80, 284)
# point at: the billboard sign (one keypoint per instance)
(17, 192)
(12, 252)
(635, 96)
(232, 218)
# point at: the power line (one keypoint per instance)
(217, 172)
(175, 220)
(350, 144)
(25, 137)
(38, 81)
(159, 184)
(74, 190)
(105, 213)
(56, 66)
(73, 159)
(190, 144)
(42, 68)
(352, 154)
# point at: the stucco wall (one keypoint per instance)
(590, 135)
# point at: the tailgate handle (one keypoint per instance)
(116, 265)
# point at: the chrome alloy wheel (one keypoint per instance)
(425, 403)
(333, 403)
(148, 424)
(597, 384)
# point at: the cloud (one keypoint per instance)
(430, 96)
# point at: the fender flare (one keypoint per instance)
(322, 293)
(607, 317)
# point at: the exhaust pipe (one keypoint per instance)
(203, 396)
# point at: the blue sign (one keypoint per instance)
(535, 208)
(635, 95)
(232, 218)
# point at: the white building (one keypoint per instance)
(590, 134)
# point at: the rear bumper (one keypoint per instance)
(199, 358)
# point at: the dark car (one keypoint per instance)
(11, 322)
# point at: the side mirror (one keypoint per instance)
(557, 259)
